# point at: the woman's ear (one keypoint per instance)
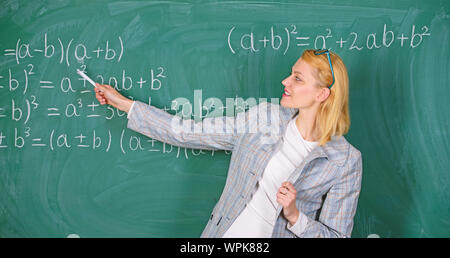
(323, 94)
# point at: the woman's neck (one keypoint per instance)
(306, 125)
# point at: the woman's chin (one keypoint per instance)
(285, 103)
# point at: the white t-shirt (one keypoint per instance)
(258, 218)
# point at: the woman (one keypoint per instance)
(307, 184)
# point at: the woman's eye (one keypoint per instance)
(297, 78)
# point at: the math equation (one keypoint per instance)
(26, 87)
(292, 36)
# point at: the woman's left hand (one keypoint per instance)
(286, 196)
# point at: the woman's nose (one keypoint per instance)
(285, 82)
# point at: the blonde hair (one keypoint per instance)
(333, 118)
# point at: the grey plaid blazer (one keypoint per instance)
(328, 181)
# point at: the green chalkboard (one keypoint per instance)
(71, 168)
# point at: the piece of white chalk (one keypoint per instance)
(86, 77)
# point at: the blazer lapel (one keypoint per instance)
(334, 150)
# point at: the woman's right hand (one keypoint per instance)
(106, 94)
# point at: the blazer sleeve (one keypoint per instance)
(339, 208)
(214, 133)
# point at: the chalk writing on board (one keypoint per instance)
(66, 51)
(282, 40)
(22, 106)
(153, 80)
(20, 111)
(100, 141)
